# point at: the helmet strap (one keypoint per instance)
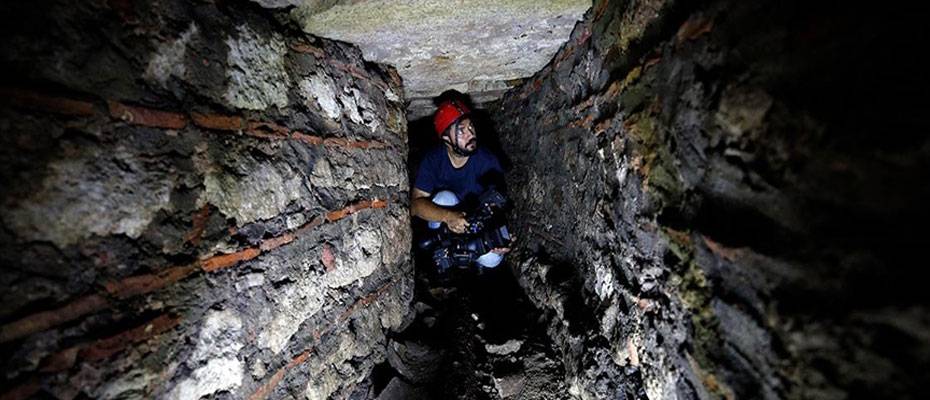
(455, 142)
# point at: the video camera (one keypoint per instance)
(487, 229)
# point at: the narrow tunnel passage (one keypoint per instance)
(475, 334)
(713, 200)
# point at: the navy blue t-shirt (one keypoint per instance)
(480, 172)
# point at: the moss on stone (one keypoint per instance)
(658, 168)
(679, 243)
(636, 20)
(695, 292)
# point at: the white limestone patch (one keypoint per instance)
(249, 281)
(300, 300)
(220, 336)
(511, 346)
(663, 384)
(295, 303)
(255, 70)
(96, 192)
(359, 109)
(366, 110)
(609, 319)
(391, 96)
(322, 385)
(214, 356)
(294, 221)
(319, 88)
(362, 257)
(263, 193)
(603, 281)
(258, 369)
(220, 374)
(168, 60)
(395, 231)
(345, 172)
(621, 164)
(325, 176)
(350, 105)
(131, 384)
(335, 370)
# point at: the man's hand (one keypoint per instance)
(456, 222)
(504, 250)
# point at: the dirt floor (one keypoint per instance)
(475, 336)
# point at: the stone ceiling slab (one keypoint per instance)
(477, 47)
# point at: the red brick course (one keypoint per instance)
(41, 321)
(727, 253)
(218, 122)
(355, 207)
(143, 284)
(199, 224)
(315, 222)
(269, 130)
(274, 131)
(146, 116)
(42, 102)
(227, 260)
(357, 72)
(266, 389)
(61, 360)
(599, 12)
(263, 391)
(353, 144)
(23, 392)
(273, 243)
(693, 28)
(104, 348)
(151, 117)
(308, 139)
(308, 49)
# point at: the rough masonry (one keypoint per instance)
(198, 200)
(718, 200)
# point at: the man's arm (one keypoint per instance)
(421, 206)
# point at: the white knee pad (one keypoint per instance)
(444, 198)
(490, 259)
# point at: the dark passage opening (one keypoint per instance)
(475, 335)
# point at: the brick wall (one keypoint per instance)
(716, 200)
(198, 200)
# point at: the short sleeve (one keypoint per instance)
(492, 174)
(494, 164)
(426, 175)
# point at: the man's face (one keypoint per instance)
(463, 137)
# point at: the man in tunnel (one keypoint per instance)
(455, 173)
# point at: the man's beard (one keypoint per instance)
(464, 151)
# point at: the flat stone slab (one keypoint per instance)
(474, 46)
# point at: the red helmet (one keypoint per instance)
(447, 113)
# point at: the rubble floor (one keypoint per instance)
(474, 336)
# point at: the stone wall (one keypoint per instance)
(198, 200)
(727, 199)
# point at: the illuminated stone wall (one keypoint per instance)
(198, 200)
